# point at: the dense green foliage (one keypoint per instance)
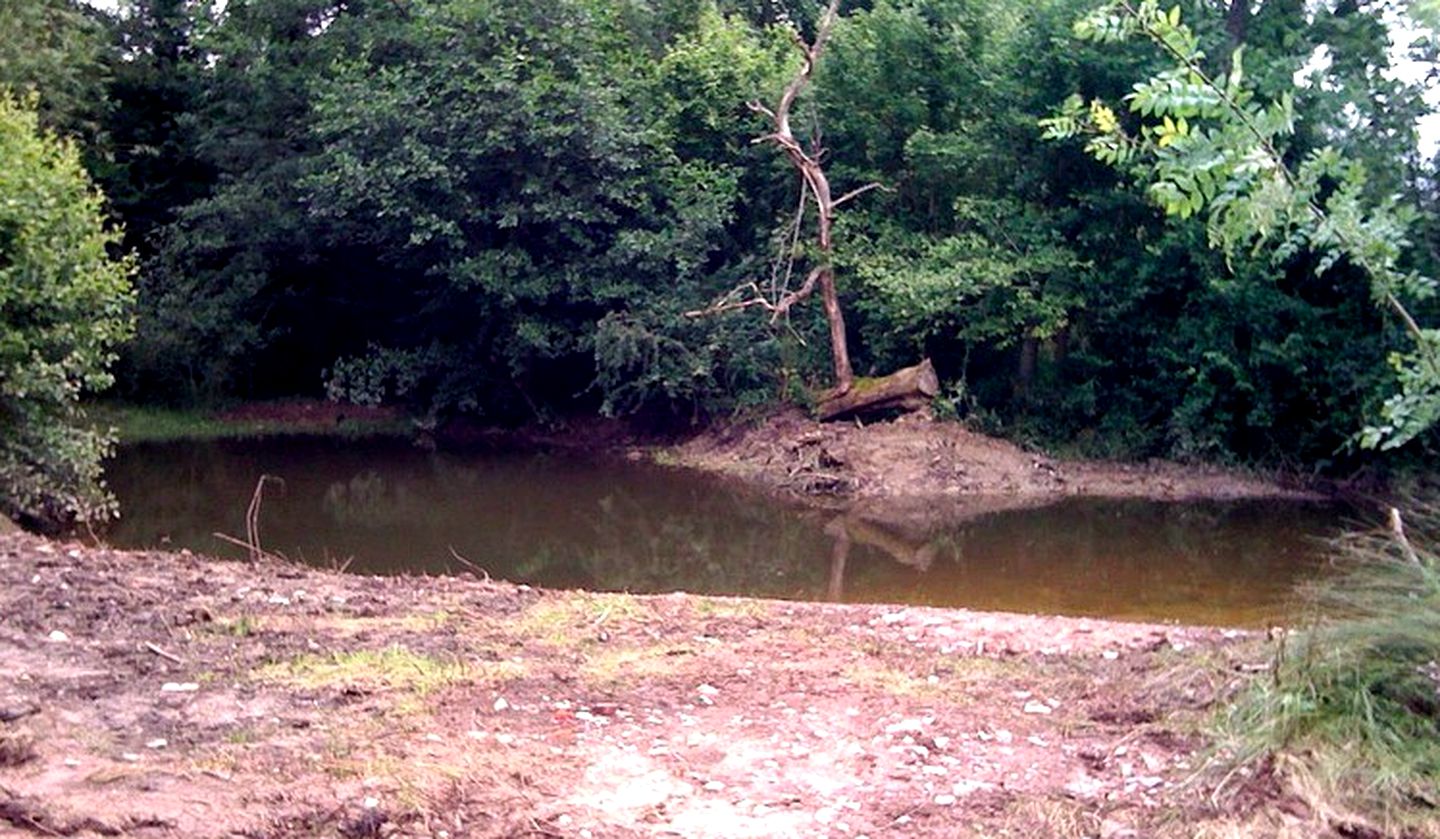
(55, 47)
(64, 305)
(1232, 164)
(504, 208)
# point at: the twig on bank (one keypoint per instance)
(473, 567)
(160, 652)
(1397, 529)
(239, 543)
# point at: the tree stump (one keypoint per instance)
(910, 389)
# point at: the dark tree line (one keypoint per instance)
(505, 208)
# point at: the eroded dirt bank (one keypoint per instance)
(916, 458)
(155, 694)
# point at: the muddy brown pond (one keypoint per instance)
(559, 520)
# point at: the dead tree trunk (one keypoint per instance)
(817, 185)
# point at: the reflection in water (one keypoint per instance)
(1213, 562)
(563, 521)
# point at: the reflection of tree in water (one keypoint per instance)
(566, 521)
(1097, 557)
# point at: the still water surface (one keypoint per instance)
(565, 521)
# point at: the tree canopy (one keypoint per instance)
(506, 208)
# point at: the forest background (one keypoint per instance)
(504, 209)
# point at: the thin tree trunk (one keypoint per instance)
(1025, 366)
(1237, 21)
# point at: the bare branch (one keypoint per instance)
(731, 302)
(786, 254)
(807, 288)
(822, 32)
(760, 108)
(807, 163)
(723, 306)
(856, 193)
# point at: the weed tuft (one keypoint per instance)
(1352, 705)
(576, 618)
(393, 668)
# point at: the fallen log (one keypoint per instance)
(910, 389)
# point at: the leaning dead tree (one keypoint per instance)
(814, 190)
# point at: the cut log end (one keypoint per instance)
(910, 389)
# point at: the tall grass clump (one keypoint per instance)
(1351, 709)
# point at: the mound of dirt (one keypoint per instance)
(917, 458)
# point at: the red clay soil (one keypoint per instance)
(169, 695)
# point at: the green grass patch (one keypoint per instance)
(666, 457)
(416, 622)
(928, 676)
(1351, 709)
(156, 424)
(726, 607)
(243, 626)
(609, 667)
(578, 618)
(392, 668)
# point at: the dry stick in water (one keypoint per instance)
(252, 522)
(252, 516)
(472, 566)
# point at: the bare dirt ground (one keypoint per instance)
(157, 694)
(914, 457)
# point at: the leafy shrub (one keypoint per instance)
(64, 306)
